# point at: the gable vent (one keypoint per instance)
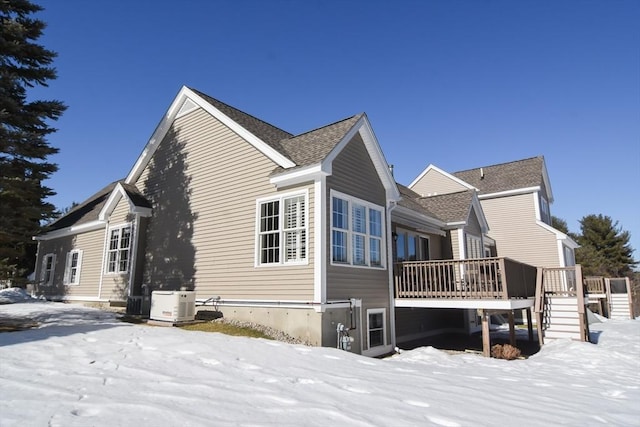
(187, 107)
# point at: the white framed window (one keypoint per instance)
(72, 267)
(119, 249)
(376, 334)
(356, 232)
(48, 269)
(282, 230)
(545, 214)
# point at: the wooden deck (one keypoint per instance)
(454, 281)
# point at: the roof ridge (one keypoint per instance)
(499, 164)
(238, 110)
(326, 126)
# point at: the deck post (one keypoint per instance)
(529, 324)
(486, 337)
(512, 329)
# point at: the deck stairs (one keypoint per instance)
(560, 305)
(619, 293)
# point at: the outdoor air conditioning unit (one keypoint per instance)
(173, 306)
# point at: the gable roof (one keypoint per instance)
(89, 212)
(410, 199)
(517, 175)
(450, 208)
(314, 146)
(267, 132)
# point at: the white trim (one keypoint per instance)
(320, 240)
(432, 167)
(133, 256)
(67, 267)
(475, 203)
(428, 224)
(392, 309)
(376, 155)
(488, 304)
(462, 244)
(536, 206)
(73, 230)
(514, 192)
(165, 124)
(297, 304)
(349, 231)
(282, 250)
(119, 226)
(116, 195)
(299, 176)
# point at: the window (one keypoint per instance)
(282, 230)
(48, 269)
(356, 232)
(411, 247)
(119, 249)
(474, 247)
(375, 327)
(545, 215)
(72, 268)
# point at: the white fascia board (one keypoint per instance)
(299, 175)
(401, 212)
(73, 230)
(509, 192)
(547, 182)
(559, 235)
(375, 154)
(433, 167)
(143, 212)
(165, 124)
(116, 194)
(488, 304)
(475, 202)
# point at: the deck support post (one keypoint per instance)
(486, 337)
(529, 324)
(512, 328)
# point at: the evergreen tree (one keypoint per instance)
(23, 130)
(605, 248)
(559, 224)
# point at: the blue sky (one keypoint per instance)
(459, 84)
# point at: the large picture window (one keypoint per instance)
(72, 267)
(119, 248)
(356, 232)
(282, 230)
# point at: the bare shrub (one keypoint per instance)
(506, 351)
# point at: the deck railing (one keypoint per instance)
(480, 278)
(594, 285)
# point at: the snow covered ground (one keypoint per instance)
(82, 367)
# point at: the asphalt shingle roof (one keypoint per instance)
(409, 200)
(86, 211)
(453, 207)
(505, 176)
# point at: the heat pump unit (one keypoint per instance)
(173, 306)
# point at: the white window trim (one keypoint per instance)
(67, 268)
(281, 198)
(350, 233)
(106, 249)
(384, 327)
(44, 269)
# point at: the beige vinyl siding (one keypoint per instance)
(434, 182)
(455, 244)
(203, 182)
(512, 223)
(120, 214)
(354, 174)
(91, 244)
(115, 285)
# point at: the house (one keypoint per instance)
(515, 198)
(307, 233)
(290, 231)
